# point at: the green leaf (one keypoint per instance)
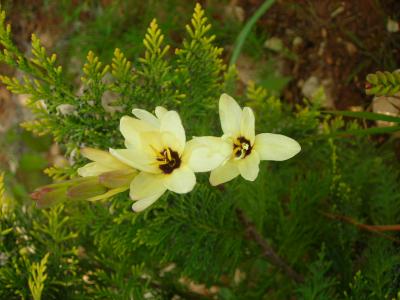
(365, 115)
(359, 132)
(247, 28)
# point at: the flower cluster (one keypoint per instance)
(158, 157)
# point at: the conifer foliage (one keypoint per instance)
(298, 232)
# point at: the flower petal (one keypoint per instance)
(247, 124)
(102, 157)
(152, 142)
(92, 169)
(146, 185)
(171, 122)
(137, 159)
(206, 153)
(144, 203)
(224, 173)
(275, 146)
(169, 140)
(147, 117)
(249, 166)
(94, 154)
(103, 162)
(181, 180)
(230, 114)
(131, 129)
(160, 111)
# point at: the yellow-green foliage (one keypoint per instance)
(192, 79)
(103, 250)
(383, 83)
(6, 203)
(38, 277)
(3, 203)
(199, 66)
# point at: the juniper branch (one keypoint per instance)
(268, 252)
(377, 229)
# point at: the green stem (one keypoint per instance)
(247, 28)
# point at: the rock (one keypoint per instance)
(388, 106)
(235, 12)
(66, 109)
(274, 44)
(392, 25)
(108, 100)
(297, 42)
(315, 89)
(351, 48)
(310, 86)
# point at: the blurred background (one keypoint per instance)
(295, 49)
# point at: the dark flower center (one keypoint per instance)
(241, 147)
(169, 160)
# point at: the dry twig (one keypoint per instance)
(268, 252)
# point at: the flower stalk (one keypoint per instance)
(268, 252)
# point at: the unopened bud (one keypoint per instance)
(118, 178)
(89, 188)
(49, 195)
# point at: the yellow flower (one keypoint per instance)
(247, 148)
(107, 171)
(156, 145)
(102, 162)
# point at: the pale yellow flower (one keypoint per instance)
(110, 173)
(247, 148)
(156, 145)
(106, 176)
(102, 162)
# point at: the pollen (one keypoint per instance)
(169, 160)
(241, 147)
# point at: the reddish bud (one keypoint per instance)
(49, 195)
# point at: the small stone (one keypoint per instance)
(392, 25)
(310, 86)
(297, 42)
(66, 109)
(321, 49)
(235, 12)
(351, 48)
(387, 106)
(324, 33)
(274, 44)
(337, 11)
(315, 89)
(107, 101)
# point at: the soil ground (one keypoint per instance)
(341, 42)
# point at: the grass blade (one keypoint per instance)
(365, 115)
(246, 30)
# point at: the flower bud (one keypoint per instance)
(88, 188)
(49, 195)
(118, 178)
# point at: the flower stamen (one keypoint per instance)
(169, 160)
(241, 147)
